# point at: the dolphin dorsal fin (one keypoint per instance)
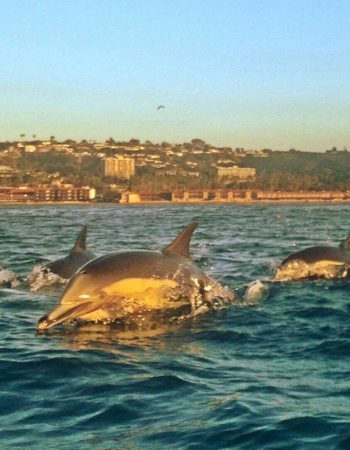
(80, 243)
(181, 244)
(345, 243)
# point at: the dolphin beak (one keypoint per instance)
(68, 312)
(44, 323)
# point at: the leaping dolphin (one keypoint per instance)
(78, 256)
(316, 262)
(133, 284)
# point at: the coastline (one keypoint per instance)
(185, 202)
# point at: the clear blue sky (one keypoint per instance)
(253, 74)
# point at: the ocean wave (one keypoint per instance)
(271, 375)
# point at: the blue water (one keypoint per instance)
(275, 375)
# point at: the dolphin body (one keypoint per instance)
(316, 263)
(134, 285)
(78, 256)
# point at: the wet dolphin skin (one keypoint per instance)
(121, 284)
(316, 262)
(77, 257)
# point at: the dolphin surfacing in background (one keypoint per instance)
(316, 263)
(131, 285)
(77, 257)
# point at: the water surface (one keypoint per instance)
(274, 375)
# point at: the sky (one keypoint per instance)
(253, 74)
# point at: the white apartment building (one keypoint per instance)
(237, 173)
(119, 166)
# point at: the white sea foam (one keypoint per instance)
(8, 278)
(41, 277)
(255, 292)
(297, 269)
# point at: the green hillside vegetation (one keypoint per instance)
(36, 168)
(296, 170)
(182, 169)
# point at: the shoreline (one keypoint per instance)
(185, 202)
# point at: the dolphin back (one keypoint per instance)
(66, 267)
(320, 253)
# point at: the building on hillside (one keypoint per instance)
(119, 166)
(57, 193)
(29, 148)
(237, 173)
(6, 172)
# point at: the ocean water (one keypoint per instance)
(271, 375)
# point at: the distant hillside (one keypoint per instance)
(166, 167)
(296, 170)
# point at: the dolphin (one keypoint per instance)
(316, 262)
(78, 256)
(135, 285)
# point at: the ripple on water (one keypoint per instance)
(271, 375)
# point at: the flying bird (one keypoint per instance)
(160, 107)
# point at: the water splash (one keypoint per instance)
(149, 309)
(298, 270)
(8, 278)
(255, 292)
(41, 277)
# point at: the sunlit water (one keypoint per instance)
(271, 375)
